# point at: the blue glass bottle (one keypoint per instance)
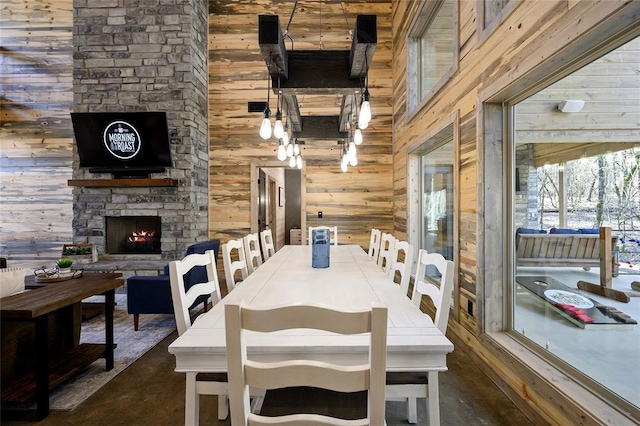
(320, 241)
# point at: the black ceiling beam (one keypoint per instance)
(272, 45)
(324, 127)
(318, 72)
(365, 40)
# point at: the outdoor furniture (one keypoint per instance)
(152, 294)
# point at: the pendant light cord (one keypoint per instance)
(344, 13)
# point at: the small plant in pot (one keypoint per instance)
(64, 265)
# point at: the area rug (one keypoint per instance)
(131, 345)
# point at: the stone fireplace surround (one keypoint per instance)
(144, 57)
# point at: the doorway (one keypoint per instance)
(276, 200)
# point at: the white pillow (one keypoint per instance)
(11, 281)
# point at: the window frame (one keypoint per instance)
(485, 29)
(424, 17)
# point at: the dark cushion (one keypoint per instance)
(564, 231)
(530, 231)
(589, 231)
(152, 295)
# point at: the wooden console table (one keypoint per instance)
(36, 306)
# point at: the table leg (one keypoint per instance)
(42, 366)
(109, 302)
(434, 399)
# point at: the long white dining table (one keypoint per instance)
(352, 281)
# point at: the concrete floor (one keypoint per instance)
(149, 392)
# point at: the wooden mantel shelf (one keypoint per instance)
(101, 183)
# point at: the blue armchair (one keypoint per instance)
(152, 294)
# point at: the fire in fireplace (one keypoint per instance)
(142, 241)
(133, 235)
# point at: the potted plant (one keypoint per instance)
(64, 265)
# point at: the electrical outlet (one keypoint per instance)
(319, 215)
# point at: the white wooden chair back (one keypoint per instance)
(268, 248)
(184, 299)
(401, 262)
(231, 266)
(244, 373)
(440, 295)
(387, 243)
(333, 233)
(252, 252)
(374, 244)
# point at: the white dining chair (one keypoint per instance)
(400, 263)
(268, 248)
(252, 253)
(311, 380)
(333, 233)
(183, 299)
(411, 385)
(234, 260)
(374, 244)
(387, 241)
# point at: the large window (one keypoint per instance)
(437, 200)
(576, 168)
(433, 50)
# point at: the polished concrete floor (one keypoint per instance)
(149, 392)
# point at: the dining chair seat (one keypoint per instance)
(301, 400)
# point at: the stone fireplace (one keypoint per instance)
(144, 63)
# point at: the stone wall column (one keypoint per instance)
(146, 55)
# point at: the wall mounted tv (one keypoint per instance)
(127, 144)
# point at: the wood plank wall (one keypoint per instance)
(355, 201)
(35, 129)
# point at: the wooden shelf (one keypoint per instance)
(102, 183)
(23, 388)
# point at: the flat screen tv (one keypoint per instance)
(123, 143)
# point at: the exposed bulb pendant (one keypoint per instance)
(292, 162)
(278, 129)
(365, 111)
(357, 135)
(282, 152)
(296, 149)
(290, 150)
(299, 161)
(285, 137)
(265, 128)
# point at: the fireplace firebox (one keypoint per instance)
(133, 235)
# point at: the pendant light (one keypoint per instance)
(365, 111)
(282, 151)
(265, 128)
(278, 129)
(357, 135)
